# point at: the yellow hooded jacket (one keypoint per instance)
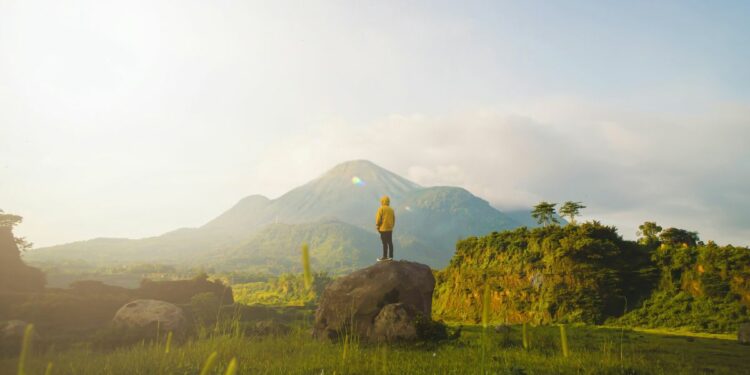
(385, 219)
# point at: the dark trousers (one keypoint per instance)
(387, 239)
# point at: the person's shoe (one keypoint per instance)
(390, 258)
(382, 259)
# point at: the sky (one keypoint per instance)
(130, 119)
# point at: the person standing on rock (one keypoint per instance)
(385, 220)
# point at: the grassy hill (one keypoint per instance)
(587, 273)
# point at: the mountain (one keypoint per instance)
(349, 192)
(335, 213)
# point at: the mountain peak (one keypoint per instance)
(360, 165)
(363, 172)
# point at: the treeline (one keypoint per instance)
(587, 273)
(701, 286)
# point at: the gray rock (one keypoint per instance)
(143, 312)
(395, 322)
(351, 304)
(743, 335)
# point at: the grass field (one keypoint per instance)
(593, 350)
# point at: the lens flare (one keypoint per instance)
(357, 181)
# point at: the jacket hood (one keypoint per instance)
(385, 201)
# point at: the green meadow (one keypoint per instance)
(592, 350)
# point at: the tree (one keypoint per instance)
(571, 210)
(10, 221)
(648, 233)
(679, 237)
(15, 275)
(544, 213)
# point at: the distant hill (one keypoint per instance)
(334, 213)
(276, 248)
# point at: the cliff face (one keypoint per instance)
(559, 274)
(15, 275)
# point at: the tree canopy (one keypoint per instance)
(682, 237)
(10, 221)
(571, 209)
(544, 213)
(648, 233)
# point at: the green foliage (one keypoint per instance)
(550, 274)
(704, 288)
(669, 309)
(648, 233)
(284, 290)
(679, 237)
(588, 273)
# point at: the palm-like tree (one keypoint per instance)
(571, 210)
(544, 213)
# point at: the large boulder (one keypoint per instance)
(145, 312)
(377, 303)
(743, 335)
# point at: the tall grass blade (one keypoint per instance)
(486, 306)
(158, 329)
(168, 346)
(306, 266)
(48, 370)
(384, 359)
(25, 348)
(232, 368)
(209, 364)
(346, 347)
(564, 340)
(525, 334)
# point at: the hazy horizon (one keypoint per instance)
(134, 119)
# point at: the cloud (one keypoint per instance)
(688, 171)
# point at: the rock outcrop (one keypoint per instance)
(144, 312)
(377, 303)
